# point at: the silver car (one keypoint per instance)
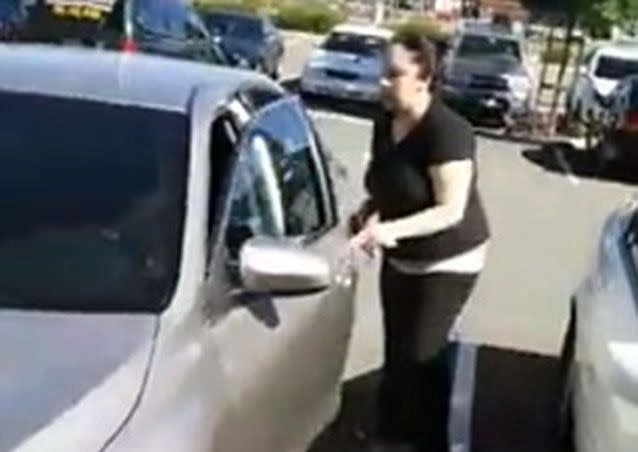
(172, 270)
(347, 64)
(600, 351)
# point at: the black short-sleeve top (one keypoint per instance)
(398, 182)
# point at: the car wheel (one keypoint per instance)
(565, 395)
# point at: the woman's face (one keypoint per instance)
(401, 84)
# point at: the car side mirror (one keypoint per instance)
(279, 266)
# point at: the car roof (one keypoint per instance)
(363, 30)
(115, 77)
(618, 50)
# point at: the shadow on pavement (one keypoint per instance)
(350, 108)
(514, 406)
(559, 157)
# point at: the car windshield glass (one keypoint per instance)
(240, 26)
(615, 68)
(479, 46)
(92, 204)
(354, 44)
(8, 7)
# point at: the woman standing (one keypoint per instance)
(425, 213)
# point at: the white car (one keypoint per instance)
(600, 353)
(600, 71)
(173, 274)
(347, 64)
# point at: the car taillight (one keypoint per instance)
(631, 120)
(129, 45)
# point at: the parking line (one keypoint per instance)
(564, 164)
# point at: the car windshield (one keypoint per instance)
(615, 68)
(240, 26)
(8, 8)
(484, 45)
(354, 44)
(92, 204)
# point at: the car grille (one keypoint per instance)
(343, 75)
(489, 82)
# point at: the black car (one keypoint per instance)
(166, 27)
(248, 39)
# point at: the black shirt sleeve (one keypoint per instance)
(451, 138)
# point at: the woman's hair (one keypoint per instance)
(425, 53)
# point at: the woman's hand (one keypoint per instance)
(373, 235)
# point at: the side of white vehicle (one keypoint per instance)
(600, 353)
(591, 87)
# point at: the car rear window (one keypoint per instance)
(354, 44)
(616, 68)
(92, 200)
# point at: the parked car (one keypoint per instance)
(166, 27)
(619, 132)
(599, 73)
(12, 13)
(484, 75)
(599, 408)
(173, 272)
(348, 64)
(250, 39)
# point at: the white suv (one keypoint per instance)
(599, 73)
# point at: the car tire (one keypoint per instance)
(565, 395)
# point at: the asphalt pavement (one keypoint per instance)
(546, 207)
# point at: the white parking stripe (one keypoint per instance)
(332, 116)
(460, 426)
(564, 164)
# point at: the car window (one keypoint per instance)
(483, 45)
(283, 128)
(615, 68)
(92, 215)
(354, 44)
(235, 24)
(167, 17)
(256, 200)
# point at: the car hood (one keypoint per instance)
(68, 381)
(487, 66)
(341, 61)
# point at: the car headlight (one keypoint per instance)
(520, 85)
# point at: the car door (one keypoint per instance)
(283, 355)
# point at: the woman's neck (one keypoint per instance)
(415, 111)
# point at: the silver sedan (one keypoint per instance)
(173, 274)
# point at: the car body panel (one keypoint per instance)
(605, 390)
(64, 366)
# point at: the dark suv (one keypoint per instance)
(167, 27)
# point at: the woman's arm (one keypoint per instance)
(451, 184)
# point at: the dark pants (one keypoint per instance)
(414, 396)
